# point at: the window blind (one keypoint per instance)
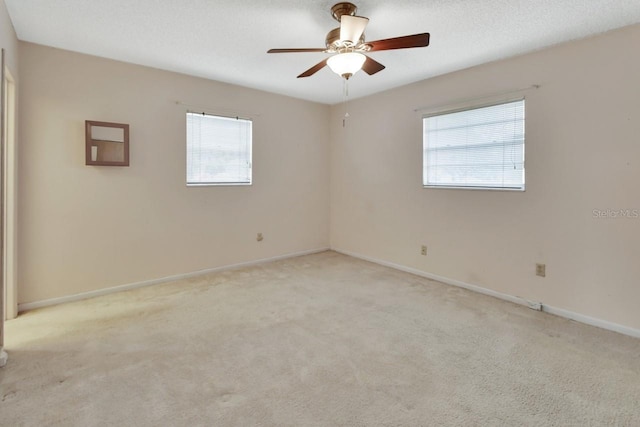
(218, 150)
(481, 147)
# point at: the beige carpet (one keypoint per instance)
(320, 340)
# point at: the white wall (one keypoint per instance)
(84, 228)
(582, 153)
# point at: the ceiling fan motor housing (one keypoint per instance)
(333, 42)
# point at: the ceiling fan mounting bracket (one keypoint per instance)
(343, 8)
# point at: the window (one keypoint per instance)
(481, 147)
(218, 150)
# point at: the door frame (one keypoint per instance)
(10, 201)
(3, 355)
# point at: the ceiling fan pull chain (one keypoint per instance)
(345, 99)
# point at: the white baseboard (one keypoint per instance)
(84, 295)
(515, 299)
(591, 321)
(475, 288)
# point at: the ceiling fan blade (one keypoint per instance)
(296, 50)
(311, 71)
(415, 40)
(372, 66)
(352, 27)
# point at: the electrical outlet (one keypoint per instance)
(423, 250)
(259, 237)
(541, 270)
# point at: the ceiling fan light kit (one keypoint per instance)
(346, 64)
(348, 46)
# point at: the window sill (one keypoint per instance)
(452, 187)
(220, 184)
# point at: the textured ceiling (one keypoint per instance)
(227, 40)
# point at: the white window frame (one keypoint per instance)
(190, 156)
(468, 106)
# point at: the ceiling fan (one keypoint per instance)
(348, 46)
